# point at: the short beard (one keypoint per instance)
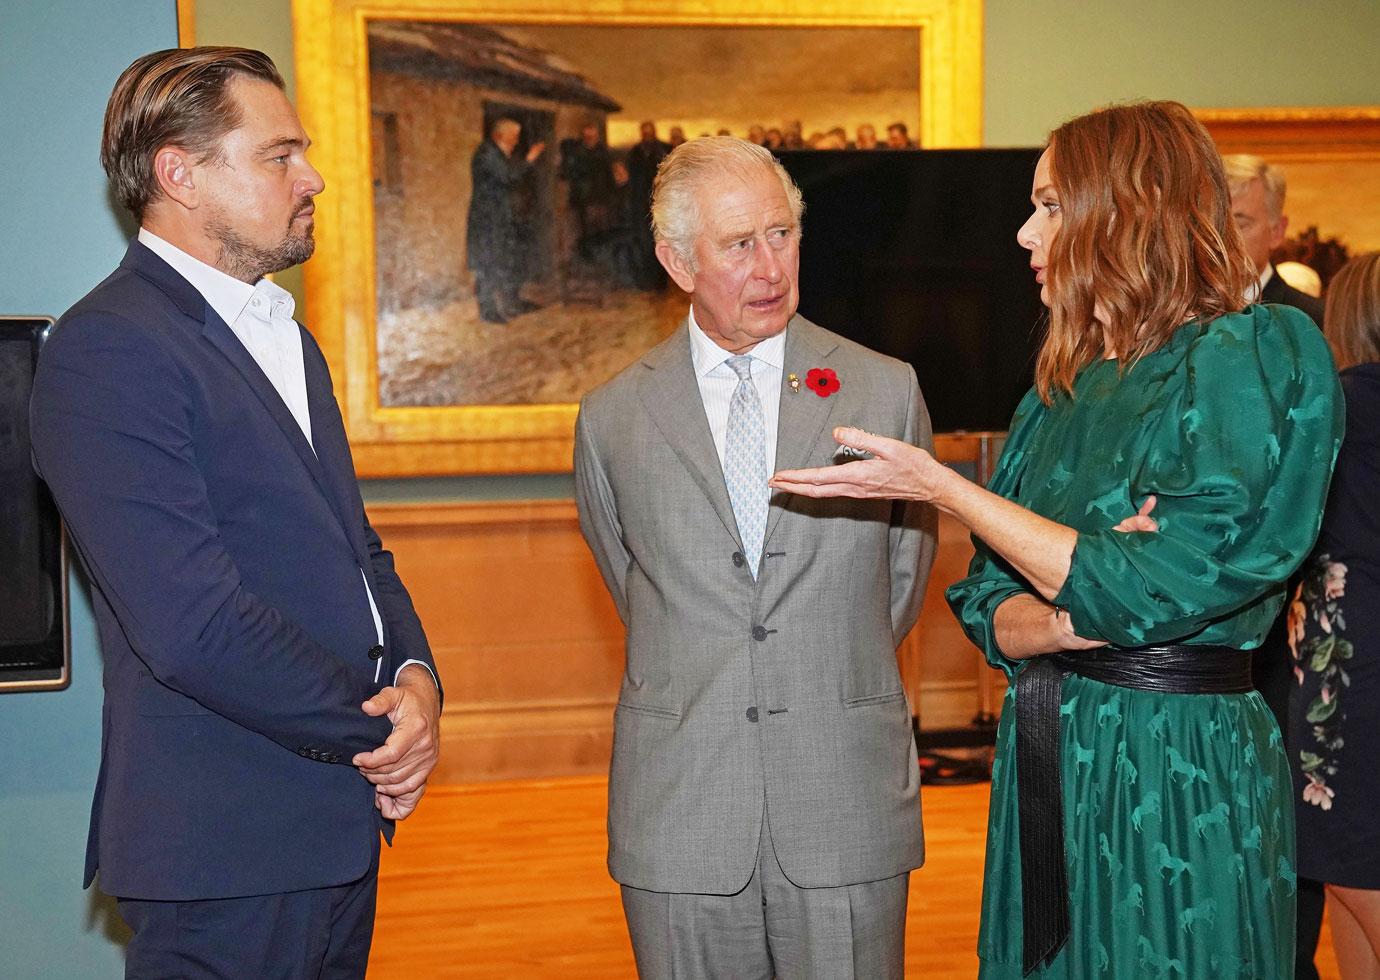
(248, 262)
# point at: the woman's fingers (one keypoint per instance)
(879, 446)
(821, 482)
(1141, 520)
(896, 471)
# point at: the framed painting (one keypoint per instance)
(483, 255)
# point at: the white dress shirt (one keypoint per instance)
(717, 381)
(260, 316)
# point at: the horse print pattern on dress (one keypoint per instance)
(1178, 827)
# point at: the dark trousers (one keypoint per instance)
(319, 934)
(1311, 897)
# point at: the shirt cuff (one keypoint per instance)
(419, 663)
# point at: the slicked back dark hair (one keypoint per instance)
(178, 97)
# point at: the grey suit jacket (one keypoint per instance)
(781, 692)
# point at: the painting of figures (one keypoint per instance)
(512, 170)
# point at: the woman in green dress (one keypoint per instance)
(1159, 484)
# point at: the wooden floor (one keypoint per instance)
(507, 880)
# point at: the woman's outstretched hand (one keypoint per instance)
(896, 471)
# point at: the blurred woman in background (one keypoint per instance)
(1334, 634)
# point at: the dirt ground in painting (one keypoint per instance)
(448, 356)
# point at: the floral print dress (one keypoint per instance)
(1334, 636)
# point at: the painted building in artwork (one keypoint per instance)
(434, 91)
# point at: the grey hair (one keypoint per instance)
(1242, 168)
(675, 207)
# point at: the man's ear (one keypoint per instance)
(676, 267)
(175, 172)
(1279, 231)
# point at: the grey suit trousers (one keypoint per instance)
(772, 928)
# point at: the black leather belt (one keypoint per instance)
(1176, 669)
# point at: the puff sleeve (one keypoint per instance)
(1239, 458)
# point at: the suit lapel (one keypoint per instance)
(189, 300)
(225, 341)
(803, 414)
(333, 454)
(671, 394)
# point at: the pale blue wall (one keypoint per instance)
(1045, 62)
(59, 236)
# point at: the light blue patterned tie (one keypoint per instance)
(745, 462)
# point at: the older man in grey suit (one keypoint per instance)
(764, 806)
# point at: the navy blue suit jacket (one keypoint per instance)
(224, 557)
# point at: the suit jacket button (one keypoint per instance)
(738, 560)
(759, 632)
(376, 652)
(304, 752)
(752, 713)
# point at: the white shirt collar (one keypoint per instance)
(1257, 289)
(225, 294)
(707, 355)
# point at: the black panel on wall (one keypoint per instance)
(33, 580)
(913, 253)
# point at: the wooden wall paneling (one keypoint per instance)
(525, 635)
(941, 669)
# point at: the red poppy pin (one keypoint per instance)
(822, 381)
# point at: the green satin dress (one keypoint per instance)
(1178, 818)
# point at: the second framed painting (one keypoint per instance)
(484, 253)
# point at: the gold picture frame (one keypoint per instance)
(1296, 132)
(330, 38)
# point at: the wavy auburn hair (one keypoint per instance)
(1146, 237)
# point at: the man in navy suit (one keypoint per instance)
(271, 700)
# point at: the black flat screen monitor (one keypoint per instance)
(913, 253)
(34, 652)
